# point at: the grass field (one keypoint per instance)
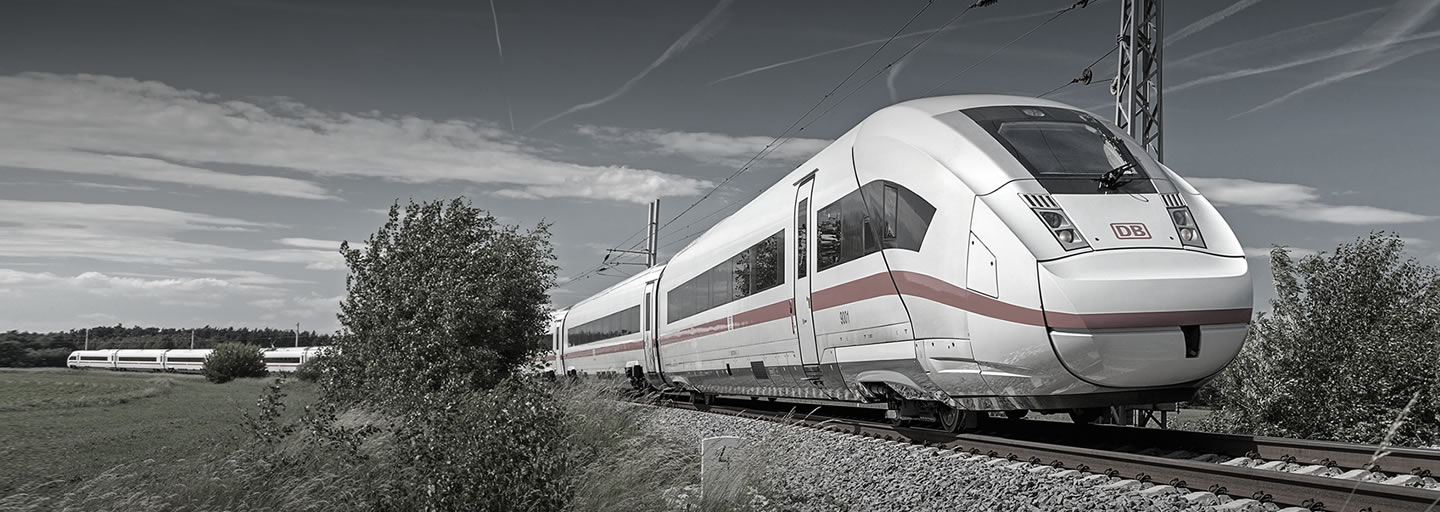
(59, 426)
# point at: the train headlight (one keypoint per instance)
(1060, 226)
(1052, 219)
(1185, 226)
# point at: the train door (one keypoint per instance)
(802, 260)
(650, 336)
(557, 328)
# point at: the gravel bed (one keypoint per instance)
(807, 469)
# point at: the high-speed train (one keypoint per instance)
(283, 359)
(948, 255)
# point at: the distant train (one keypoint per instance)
(282, 360)
(948, 256)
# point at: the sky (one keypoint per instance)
(183, 163)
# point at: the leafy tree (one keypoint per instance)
(443, 298)
(231, 361)
(1352, 345)
(12, 353)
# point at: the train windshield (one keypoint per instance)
(1068, 152)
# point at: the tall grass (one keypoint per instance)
(599, 457)
(87, 394)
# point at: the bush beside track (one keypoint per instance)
(1350, 351)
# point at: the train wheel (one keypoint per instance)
(951, 419)
(1016, 414)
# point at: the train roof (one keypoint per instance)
(640, 278)
(898, 117)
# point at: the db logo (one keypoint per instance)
(1130, 230)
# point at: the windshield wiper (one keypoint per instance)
(1117, 177)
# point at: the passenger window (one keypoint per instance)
(742, 274)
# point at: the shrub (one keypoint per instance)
(441, 299)
(231, 361)
(1352, 339)
(310, 370)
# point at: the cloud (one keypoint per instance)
(1206, 22)
(1295, 202)
(246, 277)
(166, 290)
(134, 234)
(152, 169)
(315, 312)
(690, 36)
(311, 243)
(714, 148)
(148, 130)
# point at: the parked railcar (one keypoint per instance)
(956, 254)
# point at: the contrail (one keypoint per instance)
(985, 21)
(504, 84)
(1289, 35)
(678, 46)
(1385, 62)
(1204, 23)
(817, 55)
(1241, 73)
(1394, 27)
(890, 79)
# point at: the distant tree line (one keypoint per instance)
(23, 349)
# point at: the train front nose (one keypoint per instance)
(1146, 317)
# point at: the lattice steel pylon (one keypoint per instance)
(1137, 84)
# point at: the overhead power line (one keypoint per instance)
(1077, 5)
(1086, 76)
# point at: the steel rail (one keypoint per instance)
(1282, 488)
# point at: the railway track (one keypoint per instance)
(1286, 472)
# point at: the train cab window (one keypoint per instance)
(827, 236)
(1065, 150)
(890, 208)
(880, 215)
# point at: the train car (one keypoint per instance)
(958, 254)
(605, 335)
(186, 360)
(287, 359)
(140, 360)
(104, 359)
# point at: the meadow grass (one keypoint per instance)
(61, 427)
(185, 449)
